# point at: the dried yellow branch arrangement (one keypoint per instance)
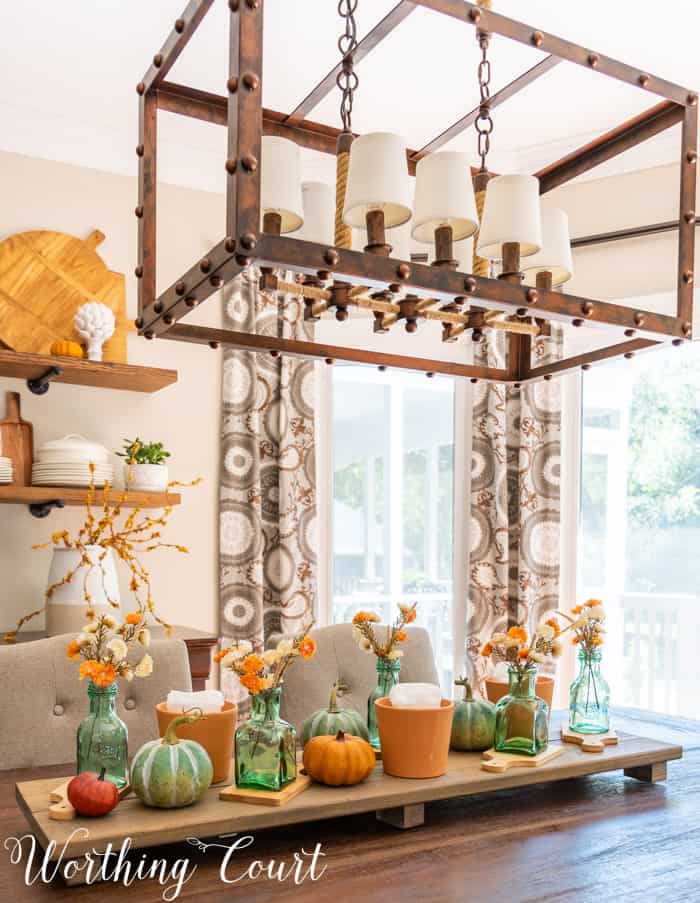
(137, 534)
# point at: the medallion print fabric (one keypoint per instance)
(514, 556)
(267, 510)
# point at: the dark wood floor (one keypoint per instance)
(587, 840)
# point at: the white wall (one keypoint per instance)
(38, 194)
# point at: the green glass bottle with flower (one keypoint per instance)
(102, 738)
(522, 717)
(265, 745)
(589, 694)
(388, 656)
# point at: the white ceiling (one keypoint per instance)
(68, 72)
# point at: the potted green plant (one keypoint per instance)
(145, 468)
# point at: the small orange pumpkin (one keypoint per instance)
(342, 760)
(66, 349)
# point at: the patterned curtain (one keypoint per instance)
(514, 559)
(267, 545)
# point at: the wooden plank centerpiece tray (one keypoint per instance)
(398, 801)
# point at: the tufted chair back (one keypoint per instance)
(338, 657)
(42, 701)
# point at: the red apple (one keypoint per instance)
(90, 794)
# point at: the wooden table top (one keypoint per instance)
(595, 838)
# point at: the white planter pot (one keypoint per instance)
(146, 477)
(65, 610)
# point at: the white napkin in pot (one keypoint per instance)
(415, 695)
(206, 700)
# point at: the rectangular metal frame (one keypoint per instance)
(242, 112)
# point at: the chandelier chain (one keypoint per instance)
(484, 122)
(347, 79)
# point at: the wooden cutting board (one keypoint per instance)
(44, 278)
(17, 441)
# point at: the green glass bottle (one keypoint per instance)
(102, 737)
(522, 719)
(387, 677)
(589, 696)
(266, 746)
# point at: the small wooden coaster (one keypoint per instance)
(499, 762)
(590, 743)
(267, 797)
(61, 810)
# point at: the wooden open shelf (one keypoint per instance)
(18, 365)
(40, 495)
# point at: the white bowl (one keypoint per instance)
(72, 449)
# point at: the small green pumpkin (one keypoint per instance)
(333, 719)
(473, 722)
(172, 773)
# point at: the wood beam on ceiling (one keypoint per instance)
(510, 90)
(631, 133)
(383, 28)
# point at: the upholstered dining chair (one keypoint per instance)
(338, 657)
(42, 701)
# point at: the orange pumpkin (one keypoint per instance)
(67, 349)
(339, 761)
(90, 794)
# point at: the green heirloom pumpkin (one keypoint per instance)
(333, 719)
(172, 773)
(473, 722)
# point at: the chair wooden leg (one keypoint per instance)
(411, 816)
(649, 773)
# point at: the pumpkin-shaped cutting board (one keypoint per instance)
(44, 278)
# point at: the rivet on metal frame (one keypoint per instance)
(232, 84)
(158, 307)
(158, 60)
(630, 332)
(692, 156)
(138, 212)
(331, 257)
(191, 301)
(547, 376)
(233, 5)
(537, 38)
(687, 329)
(587, 308)
(689, 216)
(179, 25)
(692, 99)
(180, 288)
(251, 81)
(629, 354)
(230, 245)
(639, 319)
(139, 150)
(168, 319)
(149, 335)
(231, 166)
(248, 241)
(252, 4)
(643, 79)
(138, 323)
(577, 322)
(677, 342)
(140, 88)
(585, 366)
(470, 284)
(531, 296)
(205, 265)
(688, 277)
(213, 345)
(474, 14)
(216, 281)
(403, 271)
(430, 374)
(249, 162)
(593, 59)
(138, 272)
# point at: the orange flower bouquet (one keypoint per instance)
(365, 634)
(521, 654)
(266, 744)
(589, 694)
(388, 656)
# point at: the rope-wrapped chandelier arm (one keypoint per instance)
(347, 81)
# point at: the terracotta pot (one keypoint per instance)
(544, 688)
(414, 741)
(215, 732)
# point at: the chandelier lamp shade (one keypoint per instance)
(445, 208)
(553, 263)
(378, 193)
(511, 216)
(515, 281)
(280, 186)
(317, 201)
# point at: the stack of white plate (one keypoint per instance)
(66, 462)
(5, 471)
